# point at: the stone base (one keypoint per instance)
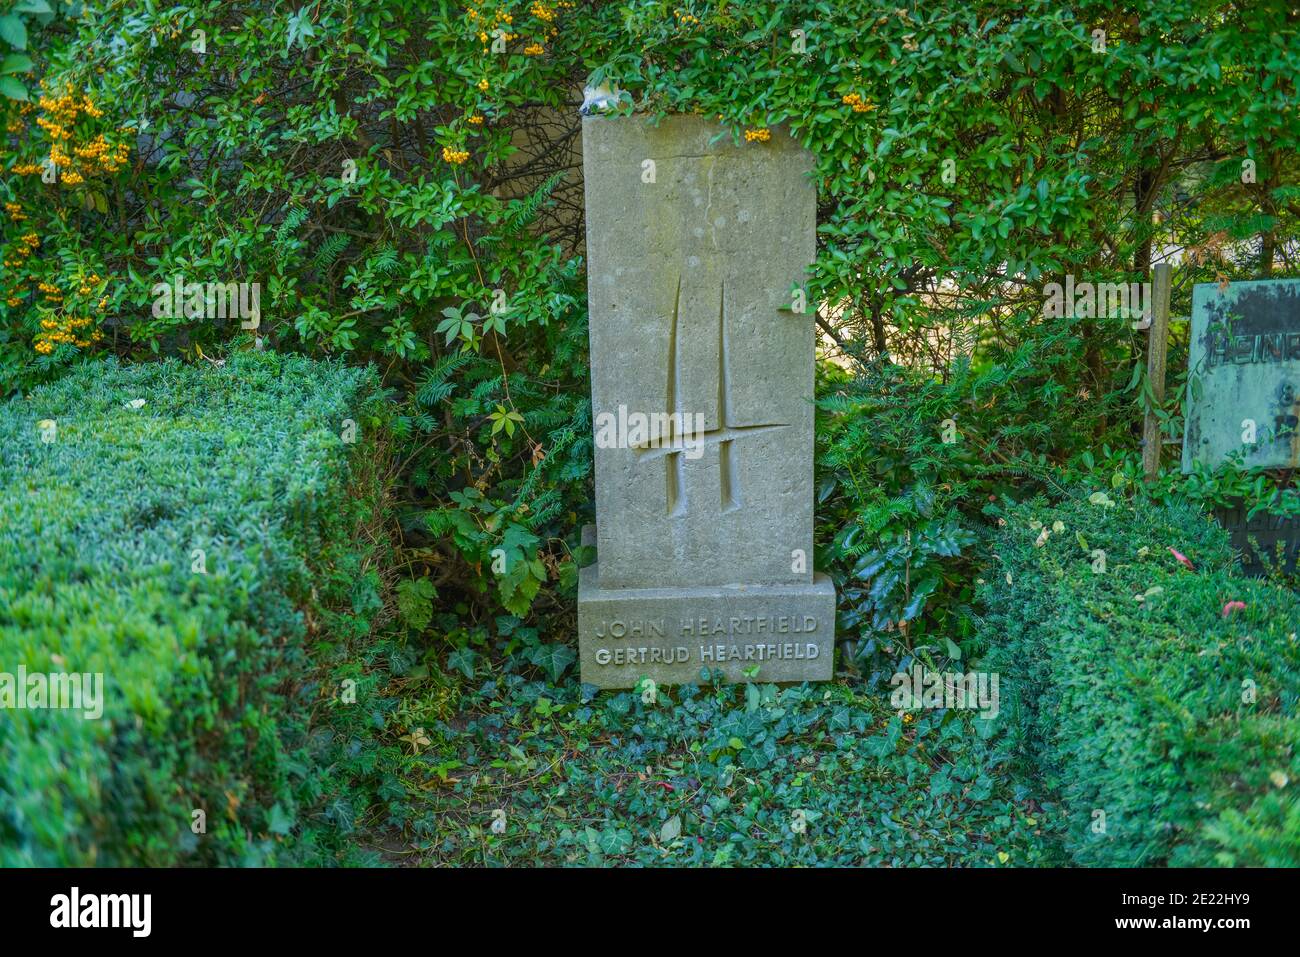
(749, 633)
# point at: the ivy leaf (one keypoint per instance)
(614, 840)
(554, 659)
(462, 659)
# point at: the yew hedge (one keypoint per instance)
(1157, 694)
(208, 660)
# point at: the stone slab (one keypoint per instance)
(687, 279)
(785, 631)
(1244, 364)
(1265, 542)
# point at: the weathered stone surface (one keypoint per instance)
(702, 389)
(773, 632)
(1244, 374)
(686, 279)
(1265, 541)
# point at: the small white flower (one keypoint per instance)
(499, 821)
(649, 693)
(134, 404)
(799, 822)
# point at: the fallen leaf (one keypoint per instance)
(671, 830)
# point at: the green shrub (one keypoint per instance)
(404, 189)
(1139, 692)
(204, 656)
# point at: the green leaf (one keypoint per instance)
(16, 63)
(13, 31)
(415, 602)
(280, 822)
(554, 659)
(462, 659)
(671, 830)
(12, 89)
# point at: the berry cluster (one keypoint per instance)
(859, 105)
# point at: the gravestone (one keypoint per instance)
(1264, 541)
(702, 390)
(1243, 398)
(1243, 383)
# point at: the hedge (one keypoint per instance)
(1163, 714)
(200, 753)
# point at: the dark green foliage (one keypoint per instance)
(208, 678)
(907, 461)
(1062, 159)
(1137, 695)
(716, 776)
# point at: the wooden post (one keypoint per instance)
(1157, 346)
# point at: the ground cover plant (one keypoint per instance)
(529, 772)
(190, 534)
